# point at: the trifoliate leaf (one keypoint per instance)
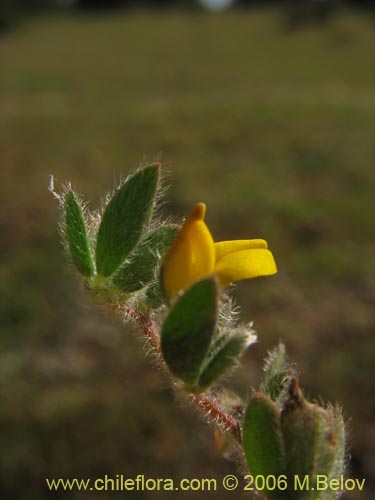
(124, 219)
(76, 235)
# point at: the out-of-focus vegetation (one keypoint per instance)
(297, 12)
(274, 130)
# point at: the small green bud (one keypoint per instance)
(315, 443)
(302, 440)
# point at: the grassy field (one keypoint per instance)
(274, 130)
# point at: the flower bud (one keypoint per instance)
(314, 440)
(301, 443)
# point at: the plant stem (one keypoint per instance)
(225, 420)
(206, 404)
(146, 325)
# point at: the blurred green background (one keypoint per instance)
(271, 126)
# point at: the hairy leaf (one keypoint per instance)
(76, 235)
(188, 329)
(140, 270)
(263, 442)
(124, 219)
(224, 357)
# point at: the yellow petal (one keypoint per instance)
(222, 248)
(191, 256)
(245, 264)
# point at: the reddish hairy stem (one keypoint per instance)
(225, 420)
(210, 407)
(146, 325)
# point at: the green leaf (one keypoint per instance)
(155, 295)
(275, 386)
(188, 329)
(76, 235)
(276, 372)
(140, 270)
(225, 355)
(263, 442)
(275, 361)
(124, 219)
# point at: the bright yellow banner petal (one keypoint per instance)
(191, 256)
(202, 251)
(245, 264)
(223, 248)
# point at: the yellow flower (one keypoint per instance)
(194, 255)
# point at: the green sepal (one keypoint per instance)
(124, 219)
(140, 270)
(225, 354)
(76, 235)
(263, 442)
(188, 329)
